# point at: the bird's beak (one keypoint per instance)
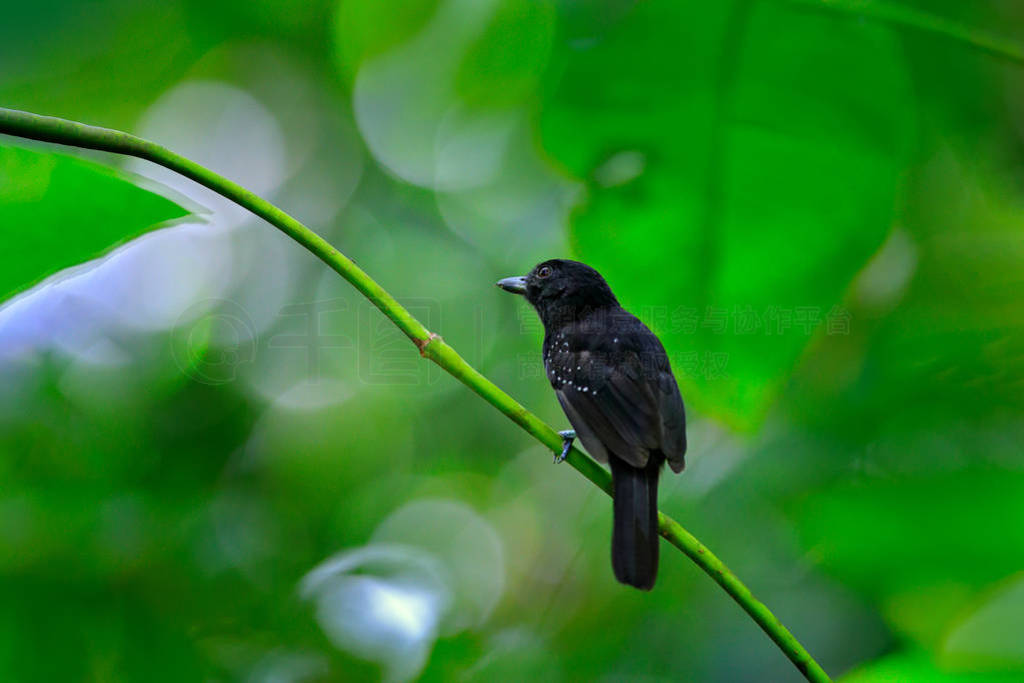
(516, 285)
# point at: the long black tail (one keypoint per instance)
(635, 525)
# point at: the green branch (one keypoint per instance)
(48, 129)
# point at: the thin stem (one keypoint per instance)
(49, 129)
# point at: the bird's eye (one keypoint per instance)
(544, 271)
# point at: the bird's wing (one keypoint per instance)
(612, 404)
(673, 420)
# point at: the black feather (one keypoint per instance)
(613, 379)
(635, 521)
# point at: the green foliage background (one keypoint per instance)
(815, 204)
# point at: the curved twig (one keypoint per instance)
(430, 345)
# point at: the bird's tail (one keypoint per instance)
(635, 525)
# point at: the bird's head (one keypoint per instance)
(560, 288)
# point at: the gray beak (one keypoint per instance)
(516, 285)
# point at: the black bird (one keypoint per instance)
(613, 379)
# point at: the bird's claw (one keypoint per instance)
(568, 436)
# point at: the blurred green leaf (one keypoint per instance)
(504, 64)
(57, 211)
(990, 636)
(883, 536)
(766, 158)
(364, 30)
(919, 668)
(507, 42)
(931, 23)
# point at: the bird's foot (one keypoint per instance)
(568, 436)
